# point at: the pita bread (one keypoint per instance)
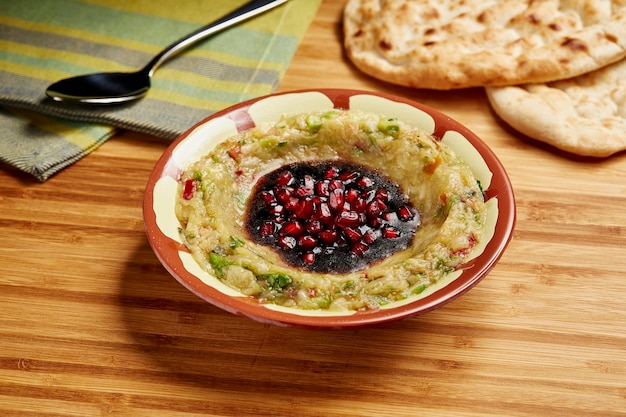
(447, 44)
(585, 115)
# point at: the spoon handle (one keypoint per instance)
(246, 11)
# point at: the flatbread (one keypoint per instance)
(585, 115)
(448, 44)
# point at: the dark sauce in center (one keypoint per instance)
(330, 216)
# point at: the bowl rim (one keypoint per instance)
(167, 249)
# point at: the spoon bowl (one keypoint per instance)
(101, 88)
(122, 87)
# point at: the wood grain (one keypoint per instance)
(92, 325)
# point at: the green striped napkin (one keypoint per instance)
(42, 41)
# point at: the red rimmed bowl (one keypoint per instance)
(162, 226)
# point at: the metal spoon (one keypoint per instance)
(120, 87)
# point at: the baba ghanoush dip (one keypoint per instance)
(338, 210)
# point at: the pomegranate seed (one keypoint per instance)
(351, 195)
(292, 204)
(313, 227)
(359, 248)
(324, 215)
(303, 192)
(267, 197)
(307, 242)
(189, 189)
(390, 216)
(268, 228)
(335, 185)
(321, 189)
(359, 205)
(304, 209)
(382, 195)
(370, 236)
(336, 200)
(348, 219)
(308, 258)
(348, 176)
(390, 232)
(368, 195)
(373, 209)
(405, 213)
(284, 178)
(375, 222)
(287, 242)
(328, 236)
(353, 235)
(292, 228)
(365, 182)
(331, 172)
(283, 194)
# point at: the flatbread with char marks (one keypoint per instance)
(585, 115)
(449, 44)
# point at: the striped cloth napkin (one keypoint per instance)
(42, 41)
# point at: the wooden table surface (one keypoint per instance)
(92, 325)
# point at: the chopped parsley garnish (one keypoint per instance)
(276, 281)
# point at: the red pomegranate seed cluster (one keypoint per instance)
(321, 212)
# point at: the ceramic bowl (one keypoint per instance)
(162, 226)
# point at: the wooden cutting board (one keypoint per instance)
(92, 325)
